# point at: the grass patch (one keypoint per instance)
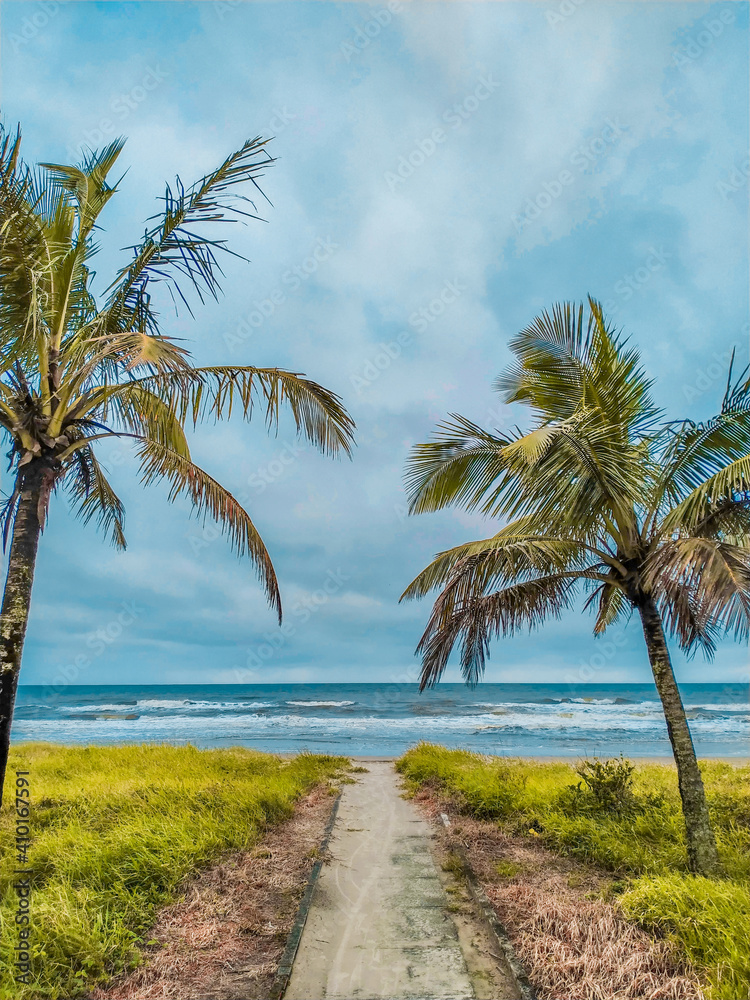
(452, 863)
(115, 831)
(630, 823)
(507, 869)
(708, 920)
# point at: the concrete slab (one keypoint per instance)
(378, 926)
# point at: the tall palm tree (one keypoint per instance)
(649, 516)
(76, 370)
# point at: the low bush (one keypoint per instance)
(606, 787)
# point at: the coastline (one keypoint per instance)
(738, 761)
(541, 721)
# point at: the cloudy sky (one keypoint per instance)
(445, 171)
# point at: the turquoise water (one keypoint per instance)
(374, 719)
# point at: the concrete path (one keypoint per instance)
(378, 925)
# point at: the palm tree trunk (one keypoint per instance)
(703, 857)
(14, 615)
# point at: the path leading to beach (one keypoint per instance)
(378, 924)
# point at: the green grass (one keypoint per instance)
(115, 830)
(710, 921)
(507, 869)
(643, 845)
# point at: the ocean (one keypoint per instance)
(385, 719)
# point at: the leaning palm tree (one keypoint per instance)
(649, 516)
(76, 370)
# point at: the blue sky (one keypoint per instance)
(444, 172)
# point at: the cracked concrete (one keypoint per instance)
(378, 925)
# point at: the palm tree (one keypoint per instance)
(75, 370)
(649, 516)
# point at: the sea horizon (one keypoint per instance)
(371, 719)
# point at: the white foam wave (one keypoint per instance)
(156, 704)
(426, 727)
(321, 704)
(97, 708)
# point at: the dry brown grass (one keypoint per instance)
(574, 944)
(224, 938)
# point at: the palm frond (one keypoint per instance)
(695, 453)
(88, 183)
(572, 479)
(93, 368)
(209, 497)
(458, 467)
(511, 555)
(218, 391)
(93, 497)
(565, 363)
(702, 586)
(142, 413)
(476, 621)
(611, 603)
(730, 482)
(727, 520)
(173, 250)
(24, 255)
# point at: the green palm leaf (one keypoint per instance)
(458, 467)
(93, 497)
(209, 497)
(473, 623)
(216, 392)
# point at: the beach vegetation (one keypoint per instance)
(642, 846)
(605, 786)
(78, 369)
(650, 517)
(115, 832)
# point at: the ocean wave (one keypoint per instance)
(426, 727)
(321, 704)
(730, 709)
(159, 705)
(112, 706)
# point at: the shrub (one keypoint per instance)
(609, 785)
